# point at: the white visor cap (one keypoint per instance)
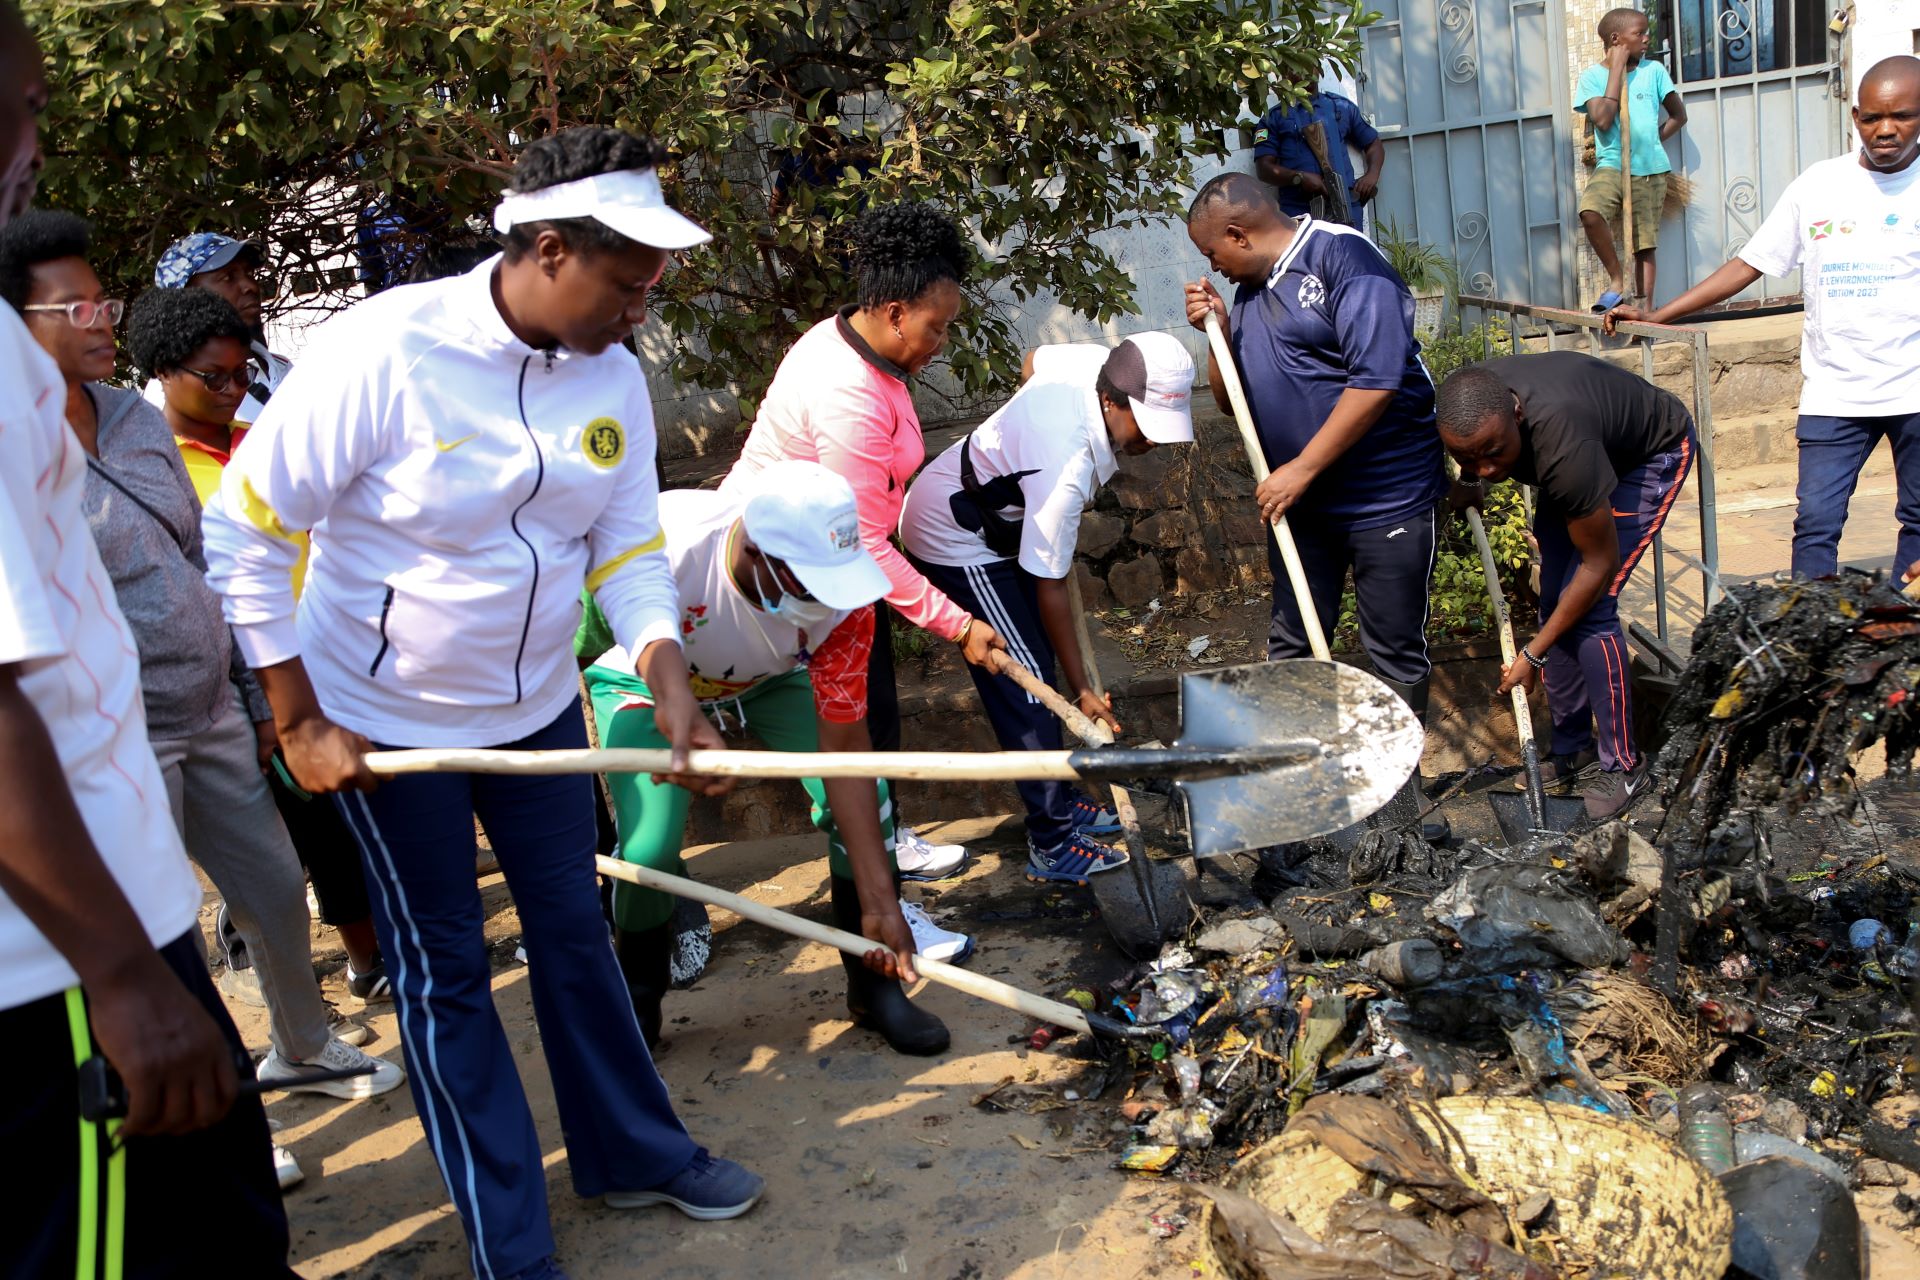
(630, 201)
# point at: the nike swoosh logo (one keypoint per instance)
(1396, 533)
(448, 446)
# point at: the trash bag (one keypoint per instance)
(1513, 915)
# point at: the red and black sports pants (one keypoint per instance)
(1588, 690)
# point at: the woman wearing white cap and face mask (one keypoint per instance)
(469, 453)
(776, 599)
(994, 522)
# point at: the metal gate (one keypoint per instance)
(1465, 94)
(1764, 95)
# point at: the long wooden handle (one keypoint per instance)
(1090, 731)
(1256, 459)
(936, 766)
(974, 984)
(1522, 713)
(1627, 257)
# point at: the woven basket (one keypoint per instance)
(1622, 1193)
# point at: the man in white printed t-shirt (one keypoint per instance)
(100, 959)
(994, 522)
(1851, 225)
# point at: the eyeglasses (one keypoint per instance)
(220, 379)
(85, 315)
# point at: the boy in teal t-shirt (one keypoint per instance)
(1623, 34)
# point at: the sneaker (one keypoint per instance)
(1094, 819)
(930, 940)
(919, 859)
(1076, 858)
(1614, 792)
(277, 1072)
(1560, 773)
(243, 987)
(371, 986)
(346, 1031)
(708, 1189)
(286, 1168)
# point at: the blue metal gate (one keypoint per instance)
(1467, 95)
(1762, 86)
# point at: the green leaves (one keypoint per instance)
(281, 121)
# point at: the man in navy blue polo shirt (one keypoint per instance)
(1321, 328)
(1283, 160)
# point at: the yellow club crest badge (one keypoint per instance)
(604, 442)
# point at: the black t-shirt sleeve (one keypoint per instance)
(1578, 480)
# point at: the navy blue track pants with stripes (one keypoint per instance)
(1006, 596)
(1589, 684)
(417, 839)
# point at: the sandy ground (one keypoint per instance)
(877, 1165)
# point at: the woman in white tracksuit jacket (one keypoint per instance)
(469, 454)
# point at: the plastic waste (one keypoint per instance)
(1412, 962)
(1706, 1133)
(1514, 914)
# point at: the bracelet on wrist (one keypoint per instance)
(1538, 664)
(964, 629)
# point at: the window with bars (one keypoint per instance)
(1714, 39)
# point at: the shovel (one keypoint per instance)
(989, 989)
(1520, 816)
(1268, 752)
(1282, 532)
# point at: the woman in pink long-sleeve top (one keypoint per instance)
(841, 398)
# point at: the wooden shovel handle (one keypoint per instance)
(1257, 460)
(936, 766)
(1090, 731)
(974, 984)
(1522, 713)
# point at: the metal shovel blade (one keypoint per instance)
(1511, 811)
(1370, 743)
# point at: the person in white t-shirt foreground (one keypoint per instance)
(469, 454)
(776, 618)
(994, 521)
(1851, 226)
(99, 941)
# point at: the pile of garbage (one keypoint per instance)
(1787, 684)
(1365, 981)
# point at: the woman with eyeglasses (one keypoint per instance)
(200, 704)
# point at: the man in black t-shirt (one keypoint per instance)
(1607, 452)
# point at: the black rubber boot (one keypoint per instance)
(881, 1004)
(1434, 829)
(646, 962)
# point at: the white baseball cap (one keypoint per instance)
(628, 200)
(1156, 374)
(803, 514)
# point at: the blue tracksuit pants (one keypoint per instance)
(417, 839)
(1007, 597)
(1589, 685)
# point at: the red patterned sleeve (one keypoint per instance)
(838, 669)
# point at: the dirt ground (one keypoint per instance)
(877, 1165)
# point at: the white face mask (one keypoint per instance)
(807, 615)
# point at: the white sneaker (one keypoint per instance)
(286, 1168)
(930, 940)
(242, 986)
(277, 1072)
(347, 1031)
(917, 859)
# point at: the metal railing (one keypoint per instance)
(1548, 323)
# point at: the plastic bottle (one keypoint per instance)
(1706, 1133)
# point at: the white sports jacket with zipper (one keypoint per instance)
(461, 486)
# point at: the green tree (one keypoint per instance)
(1039, 122)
